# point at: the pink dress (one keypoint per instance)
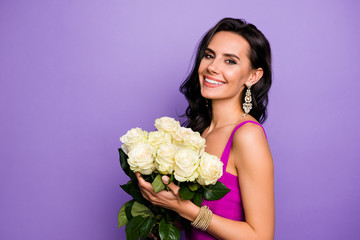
(230, 206)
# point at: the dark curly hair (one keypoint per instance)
(198, 115)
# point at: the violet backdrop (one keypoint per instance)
(76, 75)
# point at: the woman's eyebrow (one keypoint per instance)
(210, 50)
(231, 55)
(225, 54)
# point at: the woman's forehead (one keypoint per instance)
(228, 42)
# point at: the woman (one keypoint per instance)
(227, 92)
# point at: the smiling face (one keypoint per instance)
(225, 67)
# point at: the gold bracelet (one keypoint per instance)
(203, 219)
(207, 219)
(200, 215)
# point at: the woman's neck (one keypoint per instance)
(225, 112)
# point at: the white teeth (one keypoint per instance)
(213, 82)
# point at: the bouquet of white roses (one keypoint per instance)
(174, 151)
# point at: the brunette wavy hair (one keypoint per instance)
(198, 115)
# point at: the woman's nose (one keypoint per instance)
(213, 67)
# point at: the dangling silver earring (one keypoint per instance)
(206, 103)
(247, 105)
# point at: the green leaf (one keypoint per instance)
(198, 198)
(123, 161)
(132, 188)
(216, 191)
(122, 219)
(128, 207)
(135, 192)
(133, 228)
(158, 184)
(139, 209)
(168, 231)
(148, 178)
(185, 192)
(132, 176)
(126, 187)
(194, 186)
(147, 227)
(171, 178)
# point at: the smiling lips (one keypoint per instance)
(212, 82)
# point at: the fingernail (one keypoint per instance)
(165, 179)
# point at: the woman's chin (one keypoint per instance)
(205, 93)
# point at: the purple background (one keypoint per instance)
(76, 75)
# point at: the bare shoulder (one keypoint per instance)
(250, 145)
(249, 133)
(255, 170)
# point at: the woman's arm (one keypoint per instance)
(254, 165)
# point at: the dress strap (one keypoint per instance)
(226, 153)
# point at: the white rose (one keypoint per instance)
(157, 138)
(165, 158)
(210, 169)
(181, 133)
(141, 159)
(186, 164)
(167, 124)
(195, 140)
(132, 137)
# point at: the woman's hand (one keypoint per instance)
(166, 199)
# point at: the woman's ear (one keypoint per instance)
(255, 76)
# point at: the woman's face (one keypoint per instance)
(225, 66)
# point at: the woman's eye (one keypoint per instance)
(230, 61)
(208, 56)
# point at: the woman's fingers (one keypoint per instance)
(167, 199)
(160, 198)
(172, 186)
(145, 187)
(143, 184)
(138, 176)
